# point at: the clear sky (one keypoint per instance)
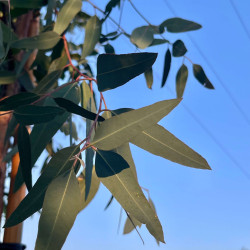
(199, 210)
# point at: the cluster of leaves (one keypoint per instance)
(62, 190)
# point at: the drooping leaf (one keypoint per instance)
(43, 41)
(129, 226)
(32, 114)
(179, 48)
(74, 108)
(201, 76)
(181, 80)
(60, 207)
(149, 77)
(142, 37)
(115, 70)
(86, 94)
(41, 134)
(47, 82)
(30, 4)
(166, 69)
(24, 149)
(109, 202)
(7, 77)
(59, 164)
(92, 35)
(111, 4)
(109, 49)
(115, 173)
(117, 130)
(95, 183)
(58, 63)
(66, 14)
(17, 100)
(89, 153)
(157, 140)
(177, 25)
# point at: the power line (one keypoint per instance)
(240, 19)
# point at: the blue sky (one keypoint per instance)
(199, 210)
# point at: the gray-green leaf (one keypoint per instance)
(181, 80)
(142, 37)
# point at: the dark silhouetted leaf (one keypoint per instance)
(46, 40)
(109, 202)
(24, 149)
(48, 82)
(179, 48)
(157, 140)
(18, 100)
(59, 164)
(176, 25)
(8, 34)
(117, 130)
(109, 49)
(60, 207)
(92, 35)
(115, 70)
(201, 76)
(30, 4)
(111, 4)
(95, 183)
(31, 114)
(166, 69)
(66, 14)
(74, 108)
(2, 49)
(115, 173)
(149, 77)
(7, 77)
(181, 80)
(142, 37)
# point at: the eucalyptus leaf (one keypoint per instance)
(18, 100)
(181, 80)
(2, 49)
(60, 207)
(30, 4)
(32, 114)
(59, 164)
(158, 42)
(117, 130)
(149, 77)
(115, 173)
(142, 37)
(24, 150)
(166, 69)
(92, 35)
(66, 14)
(201, 76)
(115, 70)
(129, 226)
(43, 41)
(177, 25)
(179, 48)
(7, 77)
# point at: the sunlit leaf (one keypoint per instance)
(115, 70)
(115, 173)
(92, 35)
(7, 77)
(66, 14)
(117, 130)
(179, 48)
(149, 77)
(24, 150)
(60, 207)
(32, 114)
(176, 25)
(166, 69)
(157, 140)
(58, 63)
(142, 37)
(46, 40)
(181, 80)
(18, 100)
(95, 183)
(201, 76)
(74, 108)
(129, 227)
(59, 164)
